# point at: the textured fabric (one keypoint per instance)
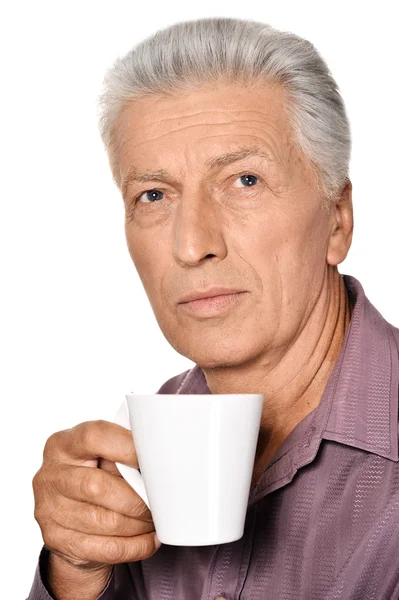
(323, 520)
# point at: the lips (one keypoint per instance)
(208, 293)
(212, 306)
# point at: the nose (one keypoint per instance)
(198, 230)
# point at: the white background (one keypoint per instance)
(77, 331)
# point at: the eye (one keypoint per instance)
(151, 195)
(247, 179)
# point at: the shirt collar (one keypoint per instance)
(359, 405)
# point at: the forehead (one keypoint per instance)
(225, 109)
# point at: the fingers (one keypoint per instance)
(91, 440)
(93, 520)
(91, 516)
(109, 466)
(80, 547)
(93, 486)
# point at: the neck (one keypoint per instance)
(292, 386)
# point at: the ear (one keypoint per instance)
(341, 226)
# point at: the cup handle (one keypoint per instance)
(132, 475)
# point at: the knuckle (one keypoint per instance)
(106, 520)
(49, 532)
(90, 431)
(85, 432)
(49, 537)
(42, 490)
(44, 516)
(36, 481)
(37, 514)
(39, 478)
(91, 486)
(114, 551)
(51, 445)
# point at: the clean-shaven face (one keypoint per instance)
(255, 224)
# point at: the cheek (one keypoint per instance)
(304, 236)
(289, 255)
(301, 261)
(313, 241)
(144, 260)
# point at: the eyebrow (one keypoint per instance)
(211, 163)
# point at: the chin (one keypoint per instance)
(209, 356)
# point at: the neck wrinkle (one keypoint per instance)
(272, 435)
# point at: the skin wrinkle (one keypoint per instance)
(134, 176)
(278, 160)
(335, 337)
(188, 128)
(274, 239)
(130, 106)
(276, 189)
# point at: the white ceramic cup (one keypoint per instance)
(196, 455)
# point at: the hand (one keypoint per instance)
(89, 516)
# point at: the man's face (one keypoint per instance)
(255, 225)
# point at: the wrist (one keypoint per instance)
(69, 582)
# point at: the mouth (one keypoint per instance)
(212, 306)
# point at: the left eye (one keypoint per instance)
(248, 179)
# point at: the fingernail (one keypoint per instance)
(157, 542)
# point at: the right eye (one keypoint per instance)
(151, 196)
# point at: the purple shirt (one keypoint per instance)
(323, 520)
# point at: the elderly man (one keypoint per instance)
(230, 145)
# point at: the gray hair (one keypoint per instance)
(202, 52)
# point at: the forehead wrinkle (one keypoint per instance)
(123, 141)
(220, 112)
(237, 155)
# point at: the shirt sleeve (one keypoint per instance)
(40, 592)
